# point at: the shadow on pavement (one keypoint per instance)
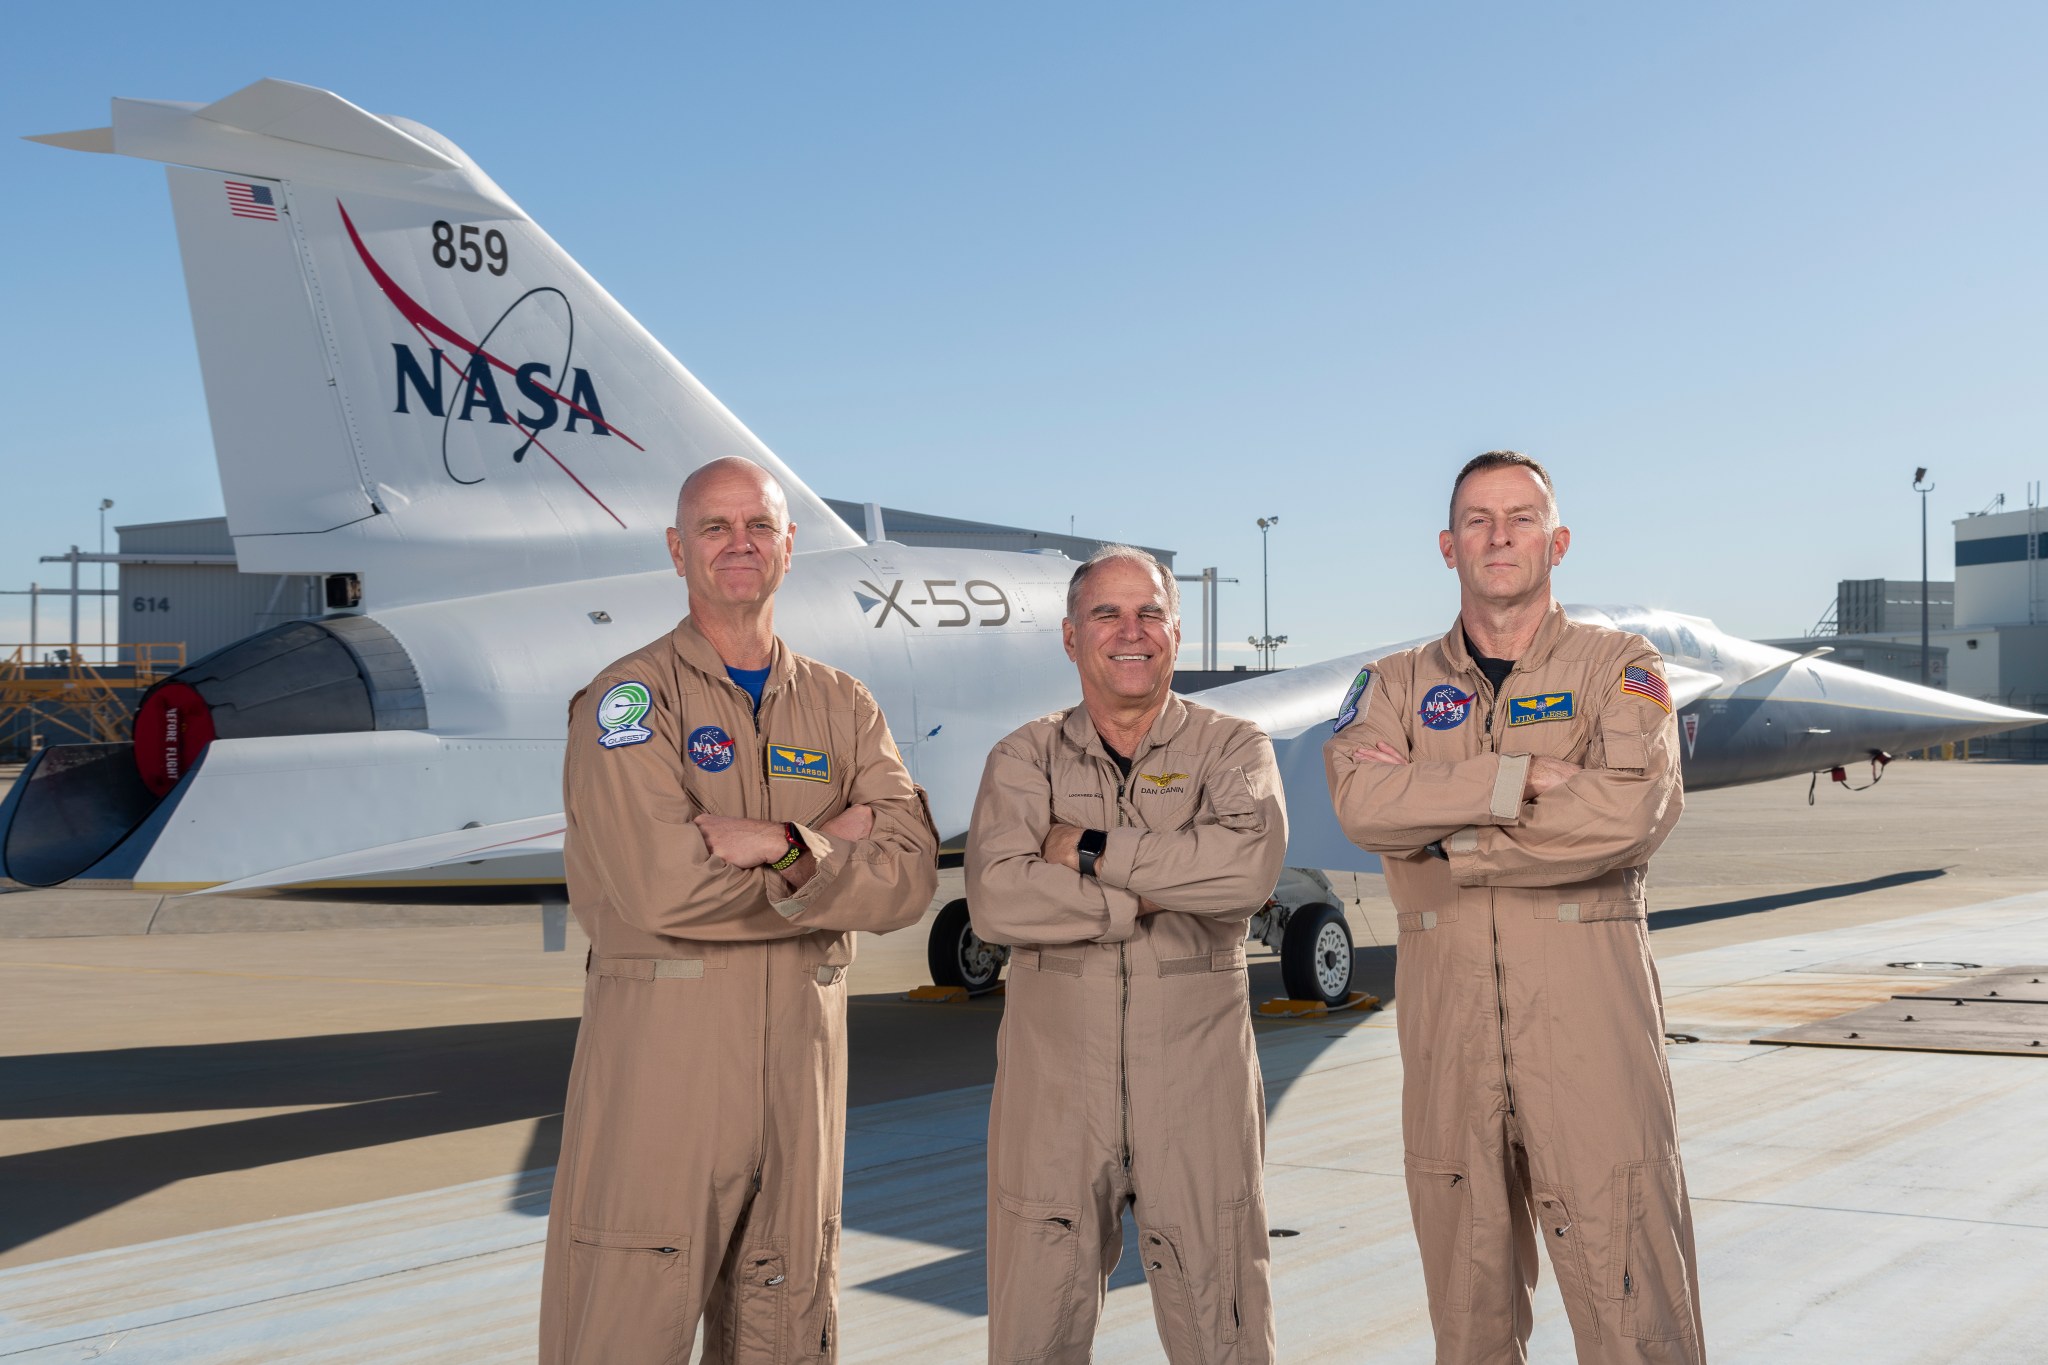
(373, 1089)
(1753, 905)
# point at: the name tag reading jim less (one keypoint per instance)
(804, 765)
(1547, 706)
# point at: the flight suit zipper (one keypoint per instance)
(1500, 971)
(1123, 1009)
(767, 981)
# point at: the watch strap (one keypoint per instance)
(795, 852)
(1090, 848)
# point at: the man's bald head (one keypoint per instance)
(723, 474)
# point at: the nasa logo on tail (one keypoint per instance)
(484, 380)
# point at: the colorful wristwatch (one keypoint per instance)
(796, 850)
(1093, 841)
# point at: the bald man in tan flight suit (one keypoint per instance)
(736, 811)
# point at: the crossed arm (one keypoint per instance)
(1544, 773)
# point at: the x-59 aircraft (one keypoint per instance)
(417, 393)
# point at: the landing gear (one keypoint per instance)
(1304, 924)
(958, 957)
(1315, 954)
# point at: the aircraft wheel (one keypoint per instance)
(958, 957)
(1315, 956)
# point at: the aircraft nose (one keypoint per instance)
(1897, 716)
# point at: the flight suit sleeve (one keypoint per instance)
(1013, 894)
(1398, 809)
(1227, 862)
(627, 806)
(886, 880)
(1615, 813)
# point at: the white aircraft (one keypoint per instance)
(416, 392)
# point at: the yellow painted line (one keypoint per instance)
(285, 976)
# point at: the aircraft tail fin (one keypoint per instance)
(408, 380)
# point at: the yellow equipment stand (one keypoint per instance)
(1309, 1009)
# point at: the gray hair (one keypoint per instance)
(1136, 556)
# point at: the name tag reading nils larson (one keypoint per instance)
(804, 765)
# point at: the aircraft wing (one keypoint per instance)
(1687, 685)
(538, 835)
(1295, 707)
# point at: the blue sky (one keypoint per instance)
(1731, 270)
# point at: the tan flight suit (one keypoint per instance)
(1536, 1104)
(1125, 1068)
(703, 1143)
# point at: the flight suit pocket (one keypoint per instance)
(1624, 750)
(1034, 1255)
(1173, 1298)
(1440, 1199)
(826, 1324)
(1230, 800)
(1415, 921)
(1234, 1237)
(1559, 1228)
(629, 1296)
(1648, 1273)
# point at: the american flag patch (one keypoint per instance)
(251, 201)
(1644, 683)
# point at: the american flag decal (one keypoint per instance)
(251, 201)
(1643, 683)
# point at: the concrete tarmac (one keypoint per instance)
(168, 1067)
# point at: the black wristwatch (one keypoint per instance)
(1435, 849)
(1093, 841)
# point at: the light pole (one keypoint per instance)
(1920, 477)
(105, 503)
(1266, 642)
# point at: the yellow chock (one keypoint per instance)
(941, 995)
(1309, 1009)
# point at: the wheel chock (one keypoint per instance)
(953, 995)
(1308, 1009)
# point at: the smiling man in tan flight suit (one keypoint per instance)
(735, 812)
(1121, 846)
(1516, 776)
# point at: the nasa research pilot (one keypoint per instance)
(1120, 846)
(1516, 776)
(735, 812)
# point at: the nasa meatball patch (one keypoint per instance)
(1444, 707)
(710, 748)
(1354, 700)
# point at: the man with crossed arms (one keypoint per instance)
(1515, 776)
